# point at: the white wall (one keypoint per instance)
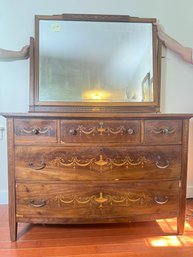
(17, 25)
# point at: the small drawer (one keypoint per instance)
(35, 131)
(163, 132)
(91, 202)
(97, 164)
(101, 131)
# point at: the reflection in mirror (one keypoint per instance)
(91, 61)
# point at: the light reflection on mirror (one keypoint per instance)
(89, 61)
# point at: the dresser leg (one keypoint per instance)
(180, 225)
(13, 231)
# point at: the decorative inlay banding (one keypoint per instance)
(100, 200)
(163, 130)
(33, 131)
(101, 130)
(109, 163)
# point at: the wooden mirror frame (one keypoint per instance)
(119, 107)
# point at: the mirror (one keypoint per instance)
(95, 60)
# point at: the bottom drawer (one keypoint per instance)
(90, 203)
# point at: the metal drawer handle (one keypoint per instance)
(73, 132)
(36, 131)
(38, 204)
(162, 167)
(130, 131)
(38, 167)
(164, 131)
(163, 200)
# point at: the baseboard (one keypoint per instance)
(189, 192)
(3, 197)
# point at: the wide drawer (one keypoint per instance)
(163, 132)
(35, 131)
(83, 202)
(95, 163)
(92, 131)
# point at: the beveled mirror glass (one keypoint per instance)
(90, 60)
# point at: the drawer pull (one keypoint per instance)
(164, 131)
(73, 132)
(130, 131)
(162, 167)
(36, 131)
(161, 200)
(38, 204)
(41, 166)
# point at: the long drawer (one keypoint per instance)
(90, 202)
(96, 163)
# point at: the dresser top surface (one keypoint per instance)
(99, 115)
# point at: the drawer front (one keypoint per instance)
(163, 132)
(35, 131)
(89, 131)
(95, 201)
(89, 163)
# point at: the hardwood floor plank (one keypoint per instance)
(50, 251)
(145, 239)
(155, 253)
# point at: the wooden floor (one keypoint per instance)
(146, 239)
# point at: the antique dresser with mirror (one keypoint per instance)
(94, 147)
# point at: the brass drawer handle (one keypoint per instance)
(163, 200)
(36, 131)
(73, 132)
(38, 204)
(130, 131)
(162, 167)
(164, 131)
(41, 166)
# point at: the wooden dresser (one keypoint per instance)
(96, 168)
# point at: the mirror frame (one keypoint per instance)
(62, 106)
